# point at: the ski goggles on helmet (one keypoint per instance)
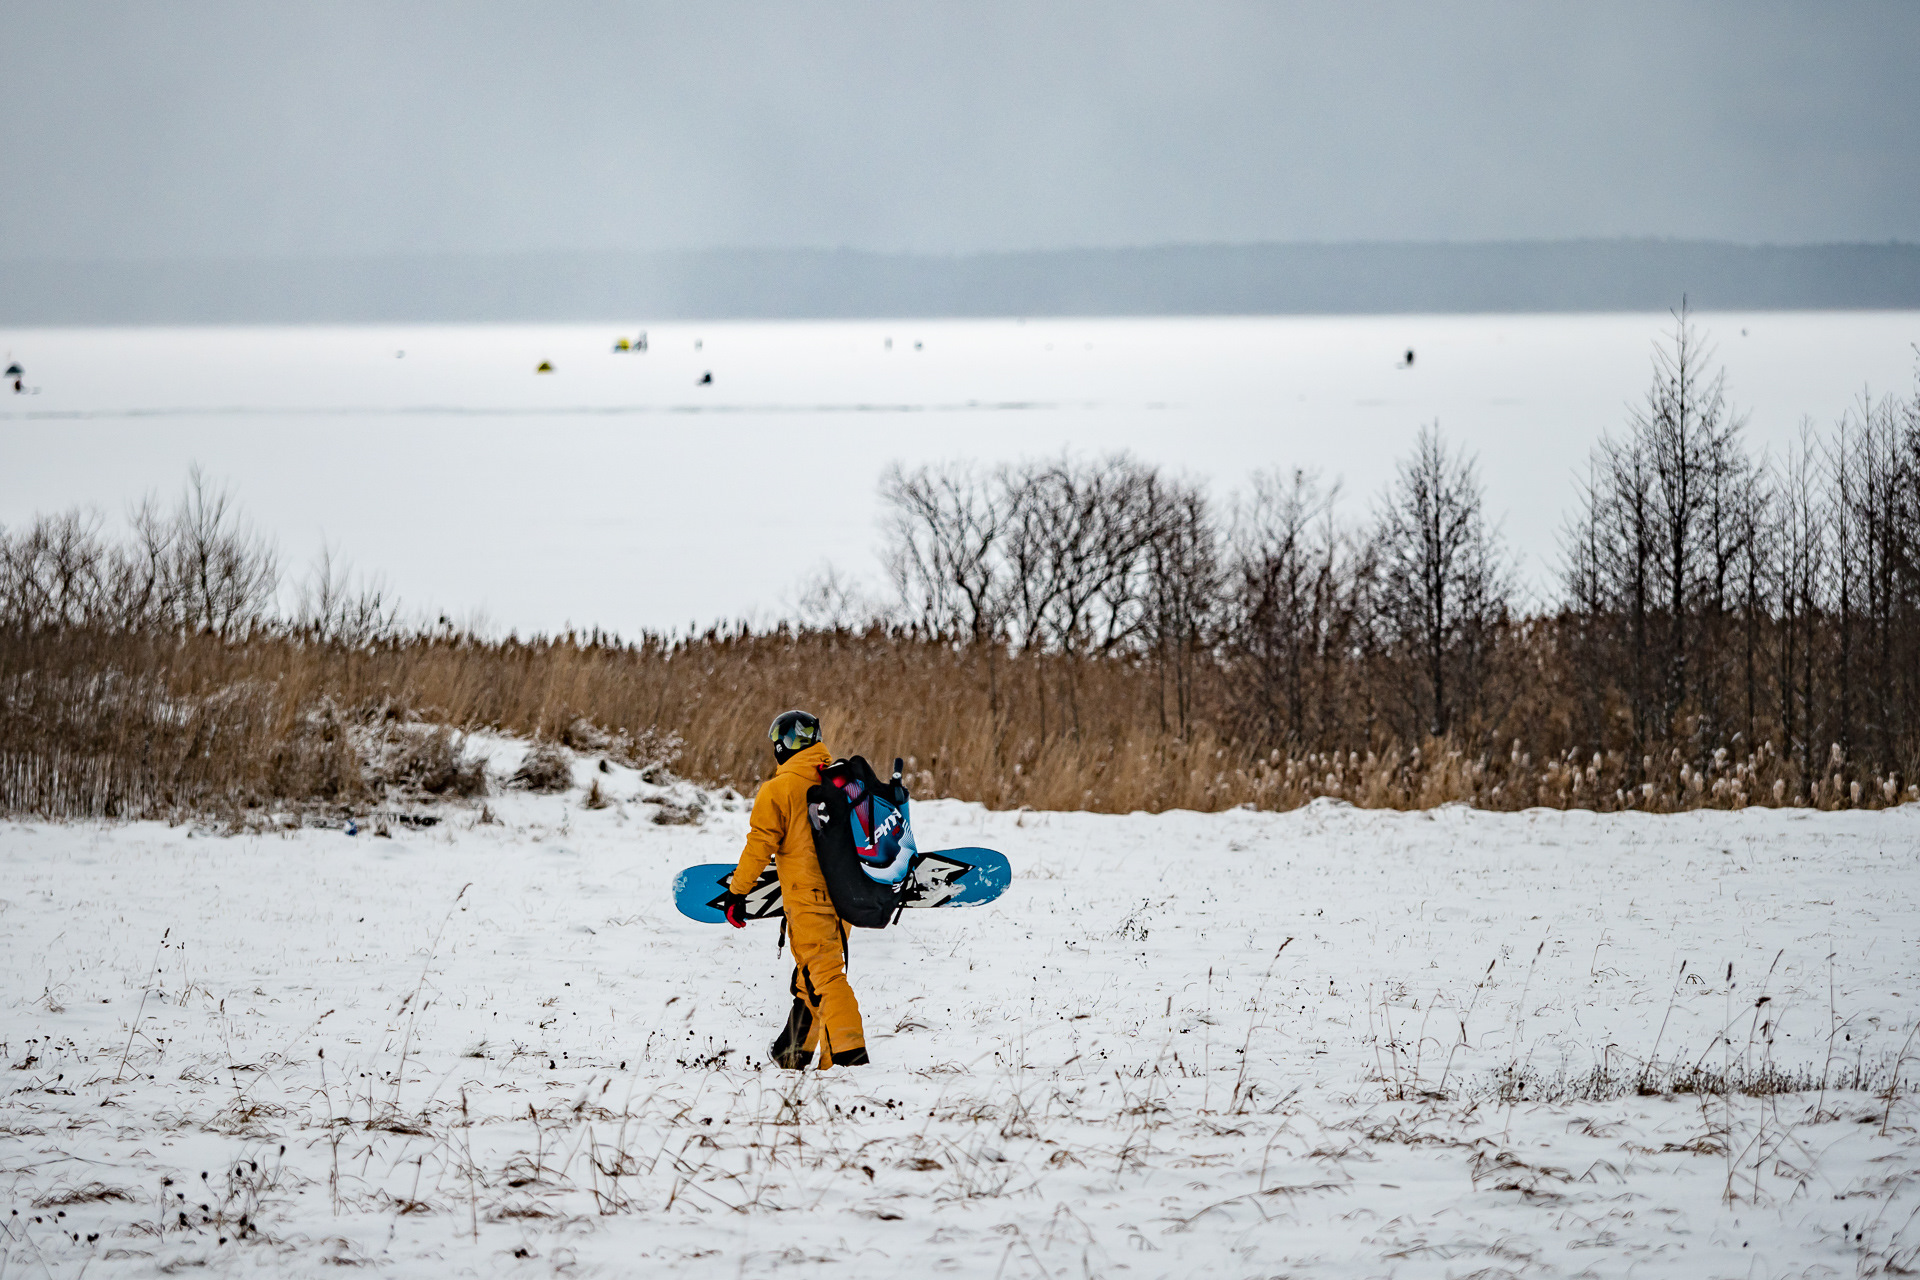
(793, 730)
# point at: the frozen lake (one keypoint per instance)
(618, 491)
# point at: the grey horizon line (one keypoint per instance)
(1162, 246)
(1262, 278)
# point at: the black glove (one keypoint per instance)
(734, 907)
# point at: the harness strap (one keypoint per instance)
(906, 885)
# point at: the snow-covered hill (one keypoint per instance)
(1234, 1044)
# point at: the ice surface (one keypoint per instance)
(471, 481)
(1109, 1072)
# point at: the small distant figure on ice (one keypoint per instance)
(1408, 362)
(18, 375)
(825, 1015)
(706, 379)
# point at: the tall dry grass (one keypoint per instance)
(95, 721)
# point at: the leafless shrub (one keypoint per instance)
(650, 750)
(548, 767)
(318, 758)
(582, 734)
(830, 600)
(225, 573)
(202, 568)
(1295, 607)
(333, 608)
(672, 813)
(430, 761)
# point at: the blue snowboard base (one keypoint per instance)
(941, 878)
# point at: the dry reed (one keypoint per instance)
(102, 722)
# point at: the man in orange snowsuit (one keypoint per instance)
(825, 1014)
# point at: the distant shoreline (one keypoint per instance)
(1578, 276)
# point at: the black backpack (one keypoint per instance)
(863, 840)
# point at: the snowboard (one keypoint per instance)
(941, 878)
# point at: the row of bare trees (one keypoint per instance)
(197, 567)
(1731, 599)
(1713, 600)
(1088, 559)
(1298, 612)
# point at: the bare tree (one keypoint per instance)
(1443, 583)
(333, 608)
(1068, 556)
(1904, 608)
(1690, 440)
(1077, 533)
(1891, 514)
(1590, 613)
(144, 589)
(832, 600)
(1848, 510)
(1635, 530)
(226, 573)
(945, 526)
(53, 572)
(1182, 590)
(1803, 552)
(1095, 522)
(1655, 555)
(1756, 529)
(1292, 605)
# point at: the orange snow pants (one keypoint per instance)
(825, 1014)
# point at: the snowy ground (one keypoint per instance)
(298, 1048)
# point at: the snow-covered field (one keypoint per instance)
(1237, 1044)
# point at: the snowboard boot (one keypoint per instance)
(791, 1052)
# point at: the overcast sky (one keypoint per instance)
(147, 129)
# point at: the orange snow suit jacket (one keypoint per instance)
(826, 1014)
(780, 833)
